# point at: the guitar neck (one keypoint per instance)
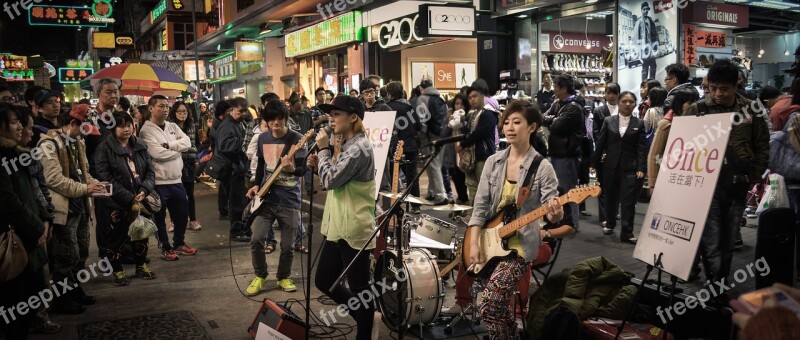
(395, 180)
(509, 229)
(274, 176)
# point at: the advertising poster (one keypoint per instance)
(647, 41)
(379, 126)
(420, 71)
(689, 169)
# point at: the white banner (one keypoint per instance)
(379, 126)
(687, 177)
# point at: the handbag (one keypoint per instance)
(218, 167)
(13, 257)
(466, 157)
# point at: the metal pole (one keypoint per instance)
(196, 64)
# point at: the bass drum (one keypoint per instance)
(417, 282)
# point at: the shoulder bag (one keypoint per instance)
(13, 257)
(466, 158)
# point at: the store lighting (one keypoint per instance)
(785, 48)
(522, 16)
(785, 52)
(760, 44)
(264, 29)
(591, 1)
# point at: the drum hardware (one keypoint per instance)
(452, 207)
(471, 309)
(420, 289)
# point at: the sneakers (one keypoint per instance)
(46, 327)
(169, 255)
(186, 250)
(738, 245)
(287, 285)
(240, 238)
(256, 286)
(631, 240)
(194, 225)
(120, 279)
(144, 272)
(607, 231)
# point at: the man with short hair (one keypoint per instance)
(48, 104)
(567, 130)
(319, 118)
(299, 118)
(229, 138)
(107, 91)
(646, 35)
(6, 96)
(30, 98)
(165, 143)
(610, 108)
(406, 124)
(480, 130)
(432, 111)
(369, 96)
(676, 80)
(746, 159)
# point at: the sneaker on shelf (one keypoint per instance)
(185, 250)
(169, 255)
(194, 225)
(120, 279)
(256, 286)
(144, 272)
(287, 285)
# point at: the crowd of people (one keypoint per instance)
(115, 162)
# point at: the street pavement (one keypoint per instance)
(211, 284)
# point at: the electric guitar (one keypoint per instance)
(503, 226)
(256, 204)
(380, 244)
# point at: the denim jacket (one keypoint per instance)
(542, 188)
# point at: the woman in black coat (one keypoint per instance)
(123, 161)
(21, 210)
(622, 149)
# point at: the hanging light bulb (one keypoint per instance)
(760, 47)
(785, 52)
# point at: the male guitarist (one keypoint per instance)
(282, 201)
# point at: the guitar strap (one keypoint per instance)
(292, 140)
(525, 190)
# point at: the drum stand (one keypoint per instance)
(471, 309)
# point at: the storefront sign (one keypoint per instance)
(573, 42)
(123, 40)
(330, 33)
(52, 15)
(717, 15)
(443, 75)
(15, 68)
(190, 72)
(68, 75)
(165, 38)
(103, 40)
(711, 39)
(689, 40)
(249, 51)
(690, 170)
(222, 68)
(158, 11)
(397, 32)
(446, 21)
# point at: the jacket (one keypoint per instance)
(646, 34)
(111, 162)
(685, 87)
(19, 207)
(780, 112)
(435, 110)
(656, 153)
(252, 148)
(567, 128)
(189, 156)
(229, 139)
(406, 125)
(167, 162)
(628, 152)
(483, 135)
(56, 173)
(593, 287)
(598, 117)
(379, 105)
(748, 145)
(487, 197)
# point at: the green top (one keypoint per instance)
(350, 213)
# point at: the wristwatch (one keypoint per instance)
(548, 234)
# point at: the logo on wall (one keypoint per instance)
(558, 42)
(398, 32)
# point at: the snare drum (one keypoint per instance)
(436, 229)
(419, 282)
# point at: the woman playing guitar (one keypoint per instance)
(500, 185)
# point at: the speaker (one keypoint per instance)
(274, 316)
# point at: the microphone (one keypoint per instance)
(447, 140)
(329, 130)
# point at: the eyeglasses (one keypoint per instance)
(368, 92)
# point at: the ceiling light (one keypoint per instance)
(785, 52)
(522, 16)
(591, 1)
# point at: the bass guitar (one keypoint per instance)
(502, 226)
(257, 203)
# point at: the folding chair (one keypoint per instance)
(544, 264)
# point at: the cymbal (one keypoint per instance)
(409, 198)
(452, 207)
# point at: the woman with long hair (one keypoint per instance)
(456, 115)
(656, 97)
(500, 185)
(123, 161)
(348, 174)
(181, 115)
(644, 90)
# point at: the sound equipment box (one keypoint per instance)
(274, 316)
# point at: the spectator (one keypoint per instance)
(704, 86)
(123, 161)
(30, 99)
(656, 97)
(644, 90)
(353, 93)
(406, 124)
(680, 104)
(369, 93)
(48, 105)
(456, 119)
(545, 96)
(746, 158)
(221, 110)
(329, 96)
(319, 118)
(432, 112)
(6, 96)
(107, 91)
(611, 108)
(180, 115)
(229, 139)
(677, 79)
(623, 147)
(165, 143)
(567, 130)
(480, 127)
(124, 105)
(299, 119)
(784, 106)
(70, 185)
(142, 116)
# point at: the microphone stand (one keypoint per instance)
(399, 242)
(310, 232)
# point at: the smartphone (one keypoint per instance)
(752, 302)
(107, 190)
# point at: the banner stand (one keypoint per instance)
(660, 267)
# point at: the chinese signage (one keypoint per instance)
(158, 11)
(190, 72)
(52, 15)
(69, 75)
(249, 51)
(15, 68)
(572, 42)
(330, 33)
(222, 68)
(717, 15)
(103, 40)
(447, 21)
(689, 40)
(710, 39)
(689, 169)
(124, 40)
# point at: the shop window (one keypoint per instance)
(242, 4)
(182, 35)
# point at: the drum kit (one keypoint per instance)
(418, 282)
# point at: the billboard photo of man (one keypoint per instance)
(646, 37)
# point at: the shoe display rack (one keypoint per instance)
(588, 67)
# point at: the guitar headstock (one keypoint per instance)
(581, 193)
(398, 154)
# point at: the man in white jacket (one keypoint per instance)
(165, 142)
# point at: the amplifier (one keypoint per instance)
(274, 316)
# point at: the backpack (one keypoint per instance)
(784, 157)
